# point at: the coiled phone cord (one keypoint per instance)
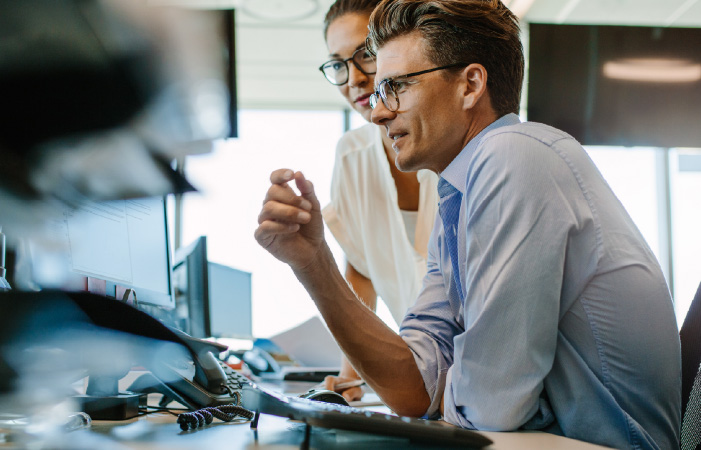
(205, 416)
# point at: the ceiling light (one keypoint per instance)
(197, 4)
(652, 70)
(279, 10)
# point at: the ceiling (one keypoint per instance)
(277, 57)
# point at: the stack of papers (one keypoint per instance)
(312, 347)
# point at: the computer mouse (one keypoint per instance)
(322, 395)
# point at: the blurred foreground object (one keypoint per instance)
(99, 97)
(50, 340)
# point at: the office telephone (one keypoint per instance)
(192, 376)
(198, 382)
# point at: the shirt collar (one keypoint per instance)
(455, 172)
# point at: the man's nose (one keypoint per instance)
(380, 114)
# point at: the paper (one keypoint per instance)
(310, 344)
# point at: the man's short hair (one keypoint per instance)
(472, 31)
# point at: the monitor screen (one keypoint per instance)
(125, 243)
(229, 302)
(617, 85)
(212, 300)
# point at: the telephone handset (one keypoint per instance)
(194, 378)
(197, 382)
(209, 374)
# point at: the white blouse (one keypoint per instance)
(365, 219)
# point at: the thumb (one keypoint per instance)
(306, 188)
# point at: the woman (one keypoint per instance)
(381, 217)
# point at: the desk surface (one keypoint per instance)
(160, 431)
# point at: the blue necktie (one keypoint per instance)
(449, 209)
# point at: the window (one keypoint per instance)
(631, 173)
(685, 180)
(233, 180)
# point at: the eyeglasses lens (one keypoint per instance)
(389, 97)
(365, 61)
(373, 100)
(336, 71)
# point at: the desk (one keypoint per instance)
(160, 431)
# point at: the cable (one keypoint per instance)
(205, 416)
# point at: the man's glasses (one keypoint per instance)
(337, 70)
(388, 89)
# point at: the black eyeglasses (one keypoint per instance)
(387, 90)
(337, 70)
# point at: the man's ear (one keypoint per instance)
(475, 76)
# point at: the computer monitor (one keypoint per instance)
(230, 314)
(212, 300)
(125, 243)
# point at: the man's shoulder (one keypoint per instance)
(526, 131)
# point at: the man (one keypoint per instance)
(543, 307)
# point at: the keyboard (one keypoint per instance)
(329, 415)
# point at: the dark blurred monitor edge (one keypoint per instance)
(212, 300)
(191, 285)
(230, 45)
(571, 87)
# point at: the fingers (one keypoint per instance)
(353, 394)
(329, 383)
(282, 204)
(284, 211)
(306, 188)
(349, 388)
(281, 176)
(284, 194)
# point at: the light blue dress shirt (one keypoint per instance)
(560, 318)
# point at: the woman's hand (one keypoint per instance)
(351, 394)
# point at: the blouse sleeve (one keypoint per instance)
(341, 214)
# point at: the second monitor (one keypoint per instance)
(213, 300)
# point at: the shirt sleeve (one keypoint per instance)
(429, 326)
(523, 201)
(338, 214)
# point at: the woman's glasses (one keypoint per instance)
(337, 70)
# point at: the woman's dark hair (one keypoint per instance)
(474, 31)
(341, 7)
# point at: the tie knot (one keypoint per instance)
(445, 189)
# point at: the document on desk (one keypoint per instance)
(310, 344)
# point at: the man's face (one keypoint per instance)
(429, 128)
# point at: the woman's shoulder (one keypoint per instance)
(359, 140)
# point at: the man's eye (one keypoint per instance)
(366, 56)
(400, 85)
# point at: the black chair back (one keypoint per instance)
(690, 336)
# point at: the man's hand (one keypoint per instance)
(290, 226)
(291, 229)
